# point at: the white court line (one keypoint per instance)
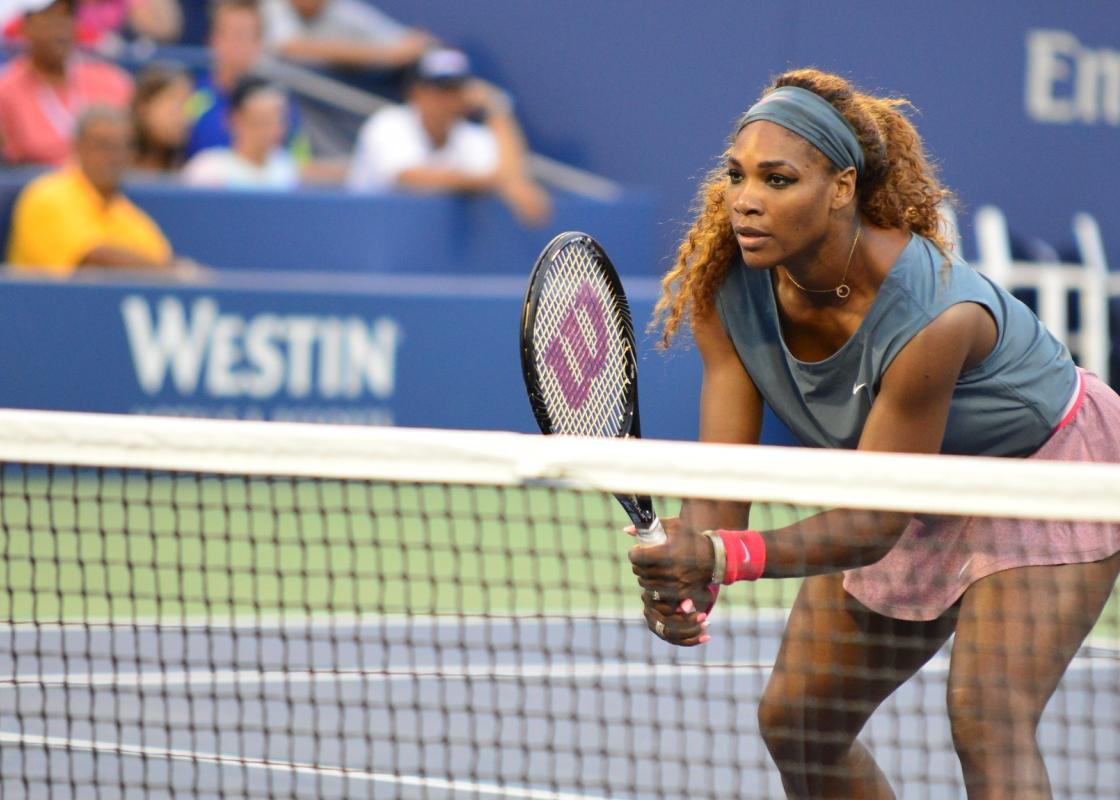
(595, 671)
(1095, 649)
(291, 767)
(590, 671)
(327, 622)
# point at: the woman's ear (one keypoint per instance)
(844, 188)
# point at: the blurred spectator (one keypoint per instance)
(105, 23)
(159, 117)
(341, 33)
(430, 144)
(77, 216)
(236, 45)
(43, 91)
(158, 20)
(256, 159)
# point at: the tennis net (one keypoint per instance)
(196, 608)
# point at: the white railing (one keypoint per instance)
(1090, 283)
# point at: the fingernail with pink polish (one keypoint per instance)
(687, 606)
(705, 638)
(701, 616)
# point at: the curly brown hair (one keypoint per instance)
(897, 189)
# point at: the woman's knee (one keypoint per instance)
(799, 727)
(775, 723)
(987, 722)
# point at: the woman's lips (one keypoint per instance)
(750, 239)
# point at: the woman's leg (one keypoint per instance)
(838, 661)
(1017, 632)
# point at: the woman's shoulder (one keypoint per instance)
(211, 155)
(208, 167)
(743, 300)
(282, 166)
(927, 272)
(742, 285)
(931, 289)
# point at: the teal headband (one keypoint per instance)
(812, 118)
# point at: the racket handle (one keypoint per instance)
(653, 535)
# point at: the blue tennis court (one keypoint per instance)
(503, 707)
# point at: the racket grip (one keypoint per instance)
(653, 535)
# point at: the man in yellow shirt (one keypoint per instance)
(77, 216)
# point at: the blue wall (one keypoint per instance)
(645, 91)
(333, 231)
(423, 352)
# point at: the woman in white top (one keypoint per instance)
(256, 158)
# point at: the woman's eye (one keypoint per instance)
(734, 175)
(777, 180)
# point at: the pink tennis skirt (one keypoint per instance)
(938, 558)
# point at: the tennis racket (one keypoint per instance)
(578, 354)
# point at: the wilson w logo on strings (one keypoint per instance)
(577, 353)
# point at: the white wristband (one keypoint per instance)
(719, 566)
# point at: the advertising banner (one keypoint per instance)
(425, 352)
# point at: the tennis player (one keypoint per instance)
(816, 278)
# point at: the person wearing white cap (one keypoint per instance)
(43, 91)
(432, 143)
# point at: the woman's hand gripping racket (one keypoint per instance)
(578, 355)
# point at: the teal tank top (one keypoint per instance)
(1007, 405)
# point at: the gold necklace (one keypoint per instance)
(841, 291)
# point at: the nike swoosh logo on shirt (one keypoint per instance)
(857, 387)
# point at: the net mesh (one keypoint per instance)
(253, 623)
(583, 354)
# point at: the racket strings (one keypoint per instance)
(585, 364)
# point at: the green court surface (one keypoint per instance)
(99, 546)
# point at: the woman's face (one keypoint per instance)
(780, 194)
(261, 124)
(165, 117)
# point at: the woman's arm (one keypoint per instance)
(909, 415)
(730, 413)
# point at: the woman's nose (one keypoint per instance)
(744, 200)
